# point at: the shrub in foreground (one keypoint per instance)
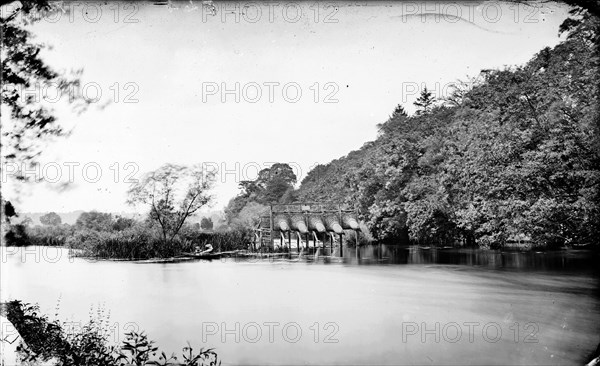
(45, 340)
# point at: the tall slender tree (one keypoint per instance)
(425, 102)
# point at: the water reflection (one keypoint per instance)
(572, 260)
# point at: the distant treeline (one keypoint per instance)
(102, 235)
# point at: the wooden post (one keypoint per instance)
(341, 238)
(271, 221)
(308, 232)
(331, 243)
(290, 240)
(357, 250)
(298, 241)
(356, 231)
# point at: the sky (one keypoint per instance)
(254, 84)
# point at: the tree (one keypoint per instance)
(8, 211)
(121, 223)
(399, 111)
(27, 221)
(272, 185)
(51, 219)
(250, 215)
(425, 102)
(94, 220)
(206, 223)
(174, 193)
(17, 236)
(276, 189)
(235, 205)
(31, 122)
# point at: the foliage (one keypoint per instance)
(221, 240)
(51, 218)
(425, 102)
(206, 223)
(365, 237)
(273, 185)
(517, 153)
(16, 236)
(138, 350)
(144, 241)
(94, 220)
(49, 235)
(31, 121)
(399, 112)
(121, 223)
(99, 235)
(46, 340)
(140, 241)
(174, 193)
(249, 215)
(8, 211)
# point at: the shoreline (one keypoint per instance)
(312, 253)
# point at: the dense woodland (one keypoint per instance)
(514, 155)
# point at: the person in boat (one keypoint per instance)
(208, 249)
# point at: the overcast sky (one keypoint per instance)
(172, 62)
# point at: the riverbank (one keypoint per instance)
(34, 339)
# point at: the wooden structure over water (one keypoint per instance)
(321, 221)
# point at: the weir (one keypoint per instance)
(317, 220)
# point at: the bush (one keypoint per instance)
(49, 235)
(47, 340)
(364, 236)
(23, 235)
(139, 241)
(16, 236)
(223, 240)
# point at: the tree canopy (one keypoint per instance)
(272, 185)
(94, 220)
(51, 219)
(515, 154)
(173, 193)
(206, 223)
(23, 69)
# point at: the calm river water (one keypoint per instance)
(386, 305)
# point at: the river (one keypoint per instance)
(384, 305)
